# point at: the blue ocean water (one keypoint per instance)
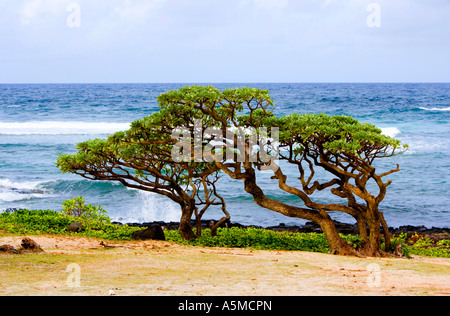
(40, 121)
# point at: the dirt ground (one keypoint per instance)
(83, 266)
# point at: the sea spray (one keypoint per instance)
(148, 207)
(11, 191)
(390, 131)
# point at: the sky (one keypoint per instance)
(207, 41)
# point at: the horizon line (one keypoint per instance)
(237, 82)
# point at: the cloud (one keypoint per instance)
(29, 11)
(270, 4)
(129, 11)
(111, 12)
(123, 20)
(227, 39)
(34, 10)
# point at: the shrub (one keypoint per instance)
(77, 207)
(422, 245)
(51, 222)
(254, 238)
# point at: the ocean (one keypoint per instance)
(40, 121)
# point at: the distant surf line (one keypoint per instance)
(435, 109)
(60, 128)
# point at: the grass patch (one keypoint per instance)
(38, 222)
(254, 238)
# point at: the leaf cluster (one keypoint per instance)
(86, 212)
(336, 134)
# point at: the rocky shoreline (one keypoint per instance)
(309, 227)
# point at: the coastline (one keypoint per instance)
(308, 227)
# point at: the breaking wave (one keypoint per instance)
(390, 131)
(60, 128)
(16, 191)
(435, 109)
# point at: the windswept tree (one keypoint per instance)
(339, 146)
(305, 154)
(141, 158)
(334, 153)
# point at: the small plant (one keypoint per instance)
(77, 207)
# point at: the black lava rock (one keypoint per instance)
(75, 227)
(154, 232)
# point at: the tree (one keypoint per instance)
(346, 150)
(141, 158)
(340, 146)
(334, 153)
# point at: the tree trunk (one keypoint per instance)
(387, 234)
(198, 227)
(362, 227)
(375, 221)
(372, 219)
(338, 246)
(216, 225)
(185, 228)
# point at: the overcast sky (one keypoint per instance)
(224, 41)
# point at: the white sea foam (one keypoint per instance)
(27, 185)
(390, 131)
(15, 191)
(60, 128)
(151, 207)
(11, 196)
(430, 145)
(435, 109)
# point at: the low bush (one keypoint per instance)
(77, 207)
(38, 222)
(256, 239)
(423, 245)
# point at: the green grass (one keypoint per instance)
(51, 222)
(254, 238)
(39, 222)
(423, 245)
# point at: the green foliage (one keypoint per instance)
(86, 212)
(38, 222)
(35, 222)
(230, 100)
(342, 134)
(355, 241)
(444, 242)
(422, 245)
(51, 222)
(262, 239)
(255, 238)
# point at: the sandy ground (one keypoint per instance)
(82, 266)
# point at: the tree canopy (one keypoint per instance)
(141, 158)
